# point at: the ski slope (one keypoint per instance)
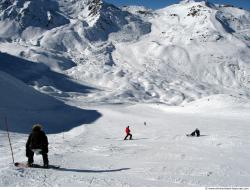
(86, 69)
(160, 154)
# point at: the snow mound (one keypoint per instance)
(24, 106)
(221, 101)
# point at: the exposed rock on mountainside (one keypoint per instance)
(173, 55)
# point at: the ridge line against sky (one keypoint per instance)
(157, 4)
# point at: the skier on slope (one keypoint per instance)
(127, 130)
(37, 143)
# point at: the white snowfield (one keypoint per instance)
(160, 154)
(86, 69)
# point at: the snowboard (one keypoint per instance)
(25, 165)
(188, 135)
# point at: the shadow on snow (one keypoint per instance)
(90, 171)
(25, 106)
(30, 73)
(80, 170)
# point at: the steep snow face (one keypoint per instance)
(94, 19)
(88, 23)
(174, 55)
(114, 20)
(39, 13)
(236, 21)
(84, 10)
(191, 42)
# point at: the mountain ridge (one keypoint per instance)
(172, 55)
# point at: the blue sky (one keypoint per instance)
(155, 4)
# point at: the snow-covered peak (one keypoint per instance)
(204, 17)
(38, 13)
(191, 1)
(84, 10)
(200, 2)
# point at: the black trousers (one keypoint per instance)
(30, 155)
(130, 136)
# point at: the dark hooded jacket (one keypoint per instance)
(37, 140)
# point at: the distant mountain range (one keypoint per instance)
(100, 53)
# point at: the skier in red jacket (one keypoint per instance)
(127, 130)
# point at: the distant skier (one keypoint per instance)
(195, 133)
(37, 143)
(127, 130)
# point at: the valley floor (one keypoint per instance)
(160, 154)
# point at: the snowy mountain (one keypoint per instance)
(173, 55)
(194, 49)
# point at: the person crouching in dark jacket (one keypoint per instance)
(195, 133)
(37, 143)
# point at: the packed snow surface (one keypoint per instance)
(160, 153)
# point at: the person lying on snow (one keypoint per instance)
(37, 143)
(127, 130)
(196, 132)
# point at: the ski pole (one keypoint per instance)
(7, 129)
